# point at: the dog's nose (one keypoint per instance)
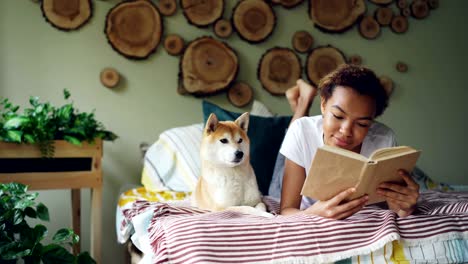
(239, 154)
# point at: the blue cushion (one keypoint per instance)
(266, 135)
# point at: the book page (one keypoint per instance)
(391, 151)
(344, 152)
(330, 174)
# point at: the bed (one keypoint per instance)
(158, 221)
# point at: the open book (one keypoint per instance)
(334, 170)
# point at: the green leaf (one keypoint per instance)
(63, 235)
(42, 212)
(29, 138)
(15, 122)
(33, 100)
(54, 254)
(30, 212)
(85, 258)
(72, 140)
(14, 135)
(18, 217)
(40, 232)
(66, 94)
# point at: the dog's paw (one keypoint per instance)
(261, 207)
(250, 210)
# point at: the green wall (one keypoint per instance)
(427, 109)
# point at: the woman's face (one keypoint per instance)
(347, 116)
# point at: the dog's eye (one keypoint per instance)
(240, 140)
(223, 140)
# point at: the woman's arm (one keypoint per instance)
(293, 179)
(336, 208)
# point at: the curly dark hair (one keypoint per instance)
(361, 79)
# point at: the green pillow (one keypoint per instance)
(266, 135)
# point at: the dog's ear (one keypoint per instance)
(211, 123)
(243, 121)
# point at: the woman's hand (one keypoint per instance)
(335, 209)
(400, 199)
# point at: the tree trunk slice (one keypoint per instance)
(302, 41)
(433, 4)
(402, 4)
(381, 2)
(278, 70)
(66, 14)
(369, 28)
(419, 9)
(335, 15)
(288, 3)
(223, 28)
(401, 67)
(208, 66)
(254, 20)
(202, 13)
(134, 28)
(240, 94)
(167, 7)
(406, 12)
(109, 77)
(321, 61)
(387, 84)
(174, 44)
(399, 24)
(355, 59)
(384, 15)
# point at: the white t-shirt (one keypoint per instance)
(305, 136)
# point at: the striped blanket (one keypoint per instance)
(179, 233)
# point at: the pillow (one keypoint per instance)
(260, 109)
(266, 135)
(426, 183)
(173, 161)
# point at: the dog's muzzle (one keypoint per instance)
(238, 155)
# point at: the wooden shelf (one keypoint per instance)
(73, 180)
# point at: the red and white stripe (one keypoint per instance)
(182, 234)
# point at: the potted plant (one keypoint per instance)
(43, 123)
(48, 147)
(19, 240)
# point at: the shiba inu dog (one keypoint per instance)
(227, 180)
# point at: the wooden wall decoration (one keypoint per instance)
(109, 77)
(355, 59)
(174, 44)
(223, 28)
(302, 41)
(207, 66)
(335, 15)
(240, 94)
(383, 15)
(321, 61)
(399, 24)
(369, 28)
(387, 83)
(67, 14)
(134, 28)
(202, 13)
(254, 20)
(278, 70)
(167, 7)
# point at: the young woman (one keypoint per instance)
(351, 98)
